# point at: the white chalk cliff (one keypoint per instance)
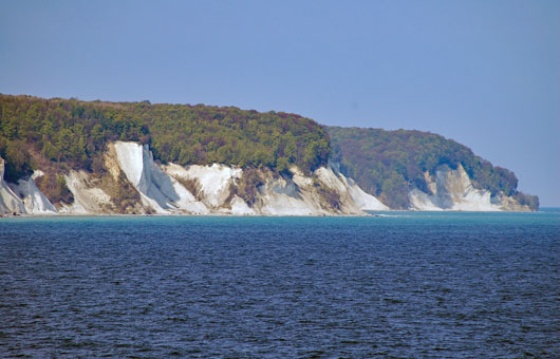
(452, 189)
(134, 183)
(9, 201)
(163, 189)
(34, 201)
(196, 189)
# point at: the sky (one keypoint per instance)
(484, 73)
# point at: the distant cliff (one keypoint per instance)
(77, 157)
(400, 167)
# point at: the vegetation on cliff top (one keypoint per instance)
(388, 164)
(58, 135)
(73, 134)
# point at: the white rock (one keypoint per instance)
(453, 191)
(34, 200)
(9, 200)
(351, 194)
(87, 199)
(215, 181)
(240, 208)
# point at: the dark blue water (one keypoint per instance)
(404, 285)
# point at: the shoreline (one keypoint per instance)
(229, 215)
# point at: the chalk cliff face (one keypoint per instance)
(133, 183)
(9, 201)
(34, 201)
(453, 190)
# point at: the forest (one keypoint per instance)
(388, 164)
(56, 135)
(72, 134)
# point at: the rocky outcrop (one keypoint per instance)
(215, 189)
(220, 189)
(88, 199)
(10, 203)
(208, 187)
(23, 197)
(351, 194)
(452, 189)
(34, 201)
(133, 183)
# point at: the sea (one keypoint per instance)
(389, 285)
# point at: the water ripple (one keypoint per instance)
(269, 288)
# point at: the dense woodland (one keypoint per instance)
(56, 135)
(74, 134)
(390, 163)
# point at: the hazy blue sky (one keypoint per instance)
(484, 73)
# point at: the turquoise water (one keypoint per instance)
(547, 217)
(397, 284)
